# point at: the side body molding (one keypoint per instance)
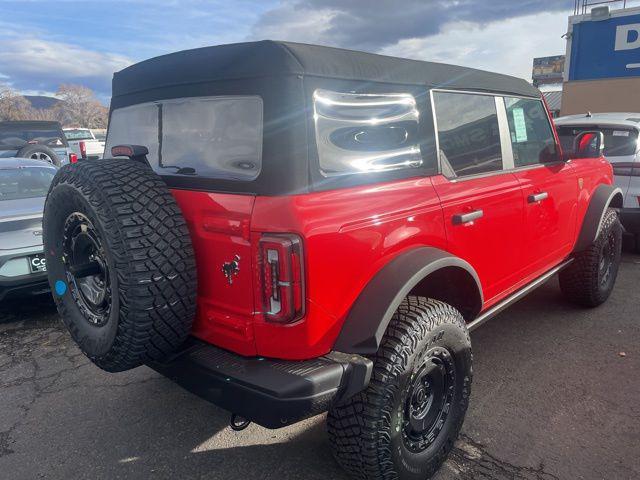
(372, 311)
(604, 197)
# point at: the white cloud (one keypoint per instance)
(37, 64)
(506, 46)
(295, 24)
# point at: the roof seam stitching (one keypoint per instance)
(293, 55)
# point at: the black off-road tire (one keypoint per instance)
(146, 257)
(367, 432)
(36, 151)
(584, 281)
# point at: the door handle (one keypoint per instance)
(537, 197)
(461, 218)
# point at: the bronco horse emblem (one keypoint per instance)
(230, 269)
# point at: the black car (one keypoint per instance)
(39, 140)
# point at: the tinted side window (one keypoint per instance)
(532, 139)
(468, 133)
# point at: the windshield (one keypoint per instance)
(29, 182)
(617, 141)
(78, 134)
(16, 137)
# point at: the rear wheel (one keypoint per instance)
(405, 423)
(590, 278)
(39, 152)
(120, 262)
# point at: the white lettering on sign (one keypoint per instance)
(622, 37)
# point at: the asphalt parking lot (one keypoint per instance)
(556, 395)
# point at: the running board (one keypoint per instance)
(496, 309)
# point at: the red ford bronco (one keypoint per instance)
(300, 229)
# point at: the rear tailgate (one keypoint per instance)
(220, 229)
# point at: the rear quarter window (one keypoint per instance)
(366, 133)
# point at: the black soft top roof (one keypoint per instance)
(271, 58)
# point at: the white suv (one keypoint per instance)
(621, 148)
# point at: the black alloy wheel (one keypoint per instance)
(86, 269)
(428, 399)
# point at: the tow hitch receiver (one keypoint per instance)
(238, 423)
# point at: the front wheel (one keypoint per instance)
(406, 421)
(589, 279)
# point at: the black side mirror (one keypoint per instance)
(588, 145)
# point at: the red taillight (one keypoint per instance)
(73, 158)
(83, 149)
(282, 274)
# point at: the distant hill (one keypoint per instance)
(41, 102)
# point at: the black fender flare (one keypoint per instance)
(604, 197)
(371, 313)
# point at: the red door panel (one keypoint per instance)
(492, 242)
(551, 196)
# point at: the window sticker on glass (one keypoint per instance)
(621, 133)
(520, 126)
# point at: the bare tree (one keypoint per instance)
(14, 106)
(79, 106)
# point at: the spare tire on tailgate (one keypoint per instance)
(120, 262)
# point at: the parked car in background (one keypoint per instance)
(100, 134)
(23, 188)
(38, 140)
(84, 143)
(621, 148)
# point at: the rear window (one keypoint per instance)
(617, 141)
(16, 137)
(78, 134)
(19, 183)
(215, 137)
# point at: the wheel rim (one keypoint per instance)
(607, 258)
(41, 156)
(86, 269)
(428, 399)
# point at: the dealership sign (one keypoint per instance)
(607, 48)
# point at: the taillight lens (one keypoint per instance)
(73, 158)
(282, 274)
(83, 149)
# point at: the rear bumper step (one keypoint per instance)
(271, 393)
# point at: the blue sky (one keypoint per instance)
(45, 43)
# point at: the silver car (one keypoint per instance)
(23, 188)
(621, 148)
